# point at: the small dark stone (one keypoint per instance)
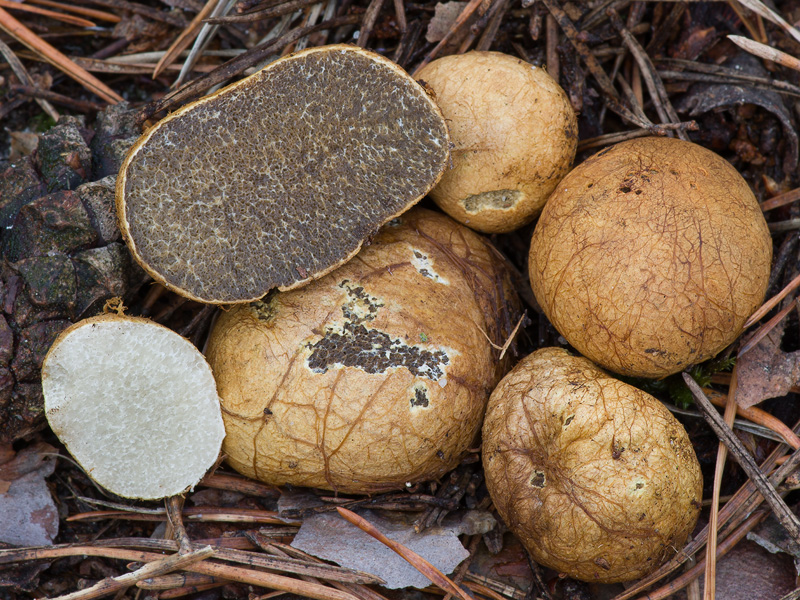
(115, 132)
(99, 199)
(56, 223)
(6, 342)
(63, 156)
(49, 281)
(23, 414)
(6, 386)
(19, 184)
(102, 273)
(32, 346)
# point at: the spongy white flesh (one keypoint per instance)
(135, 404)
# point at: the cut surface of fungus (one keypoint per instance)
(280, 177)
(650, 255)
(596, 477)
(374, 376)
(135, 404)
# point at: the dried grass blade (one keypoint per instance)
(766, 52)
(655, 85)
(769, 304)
(152, 569)
(237, 65)
(612, 98)
(759, 417)
(27, 37)
(763, 10)
(414, 559)
(765, 329)
(782, 512)
(682, 581)
(80, 10)
(462, 18)
(202, 38)
(185, 38)
(240, 574)
(710, 582)
(69, 19)
(781, 200)
(175, 580)
(754, 31)
(154, 14)
(25, 78)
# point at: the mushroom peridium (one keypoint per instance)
(650, 256)
(596, 477)
(374, 376)
(514, 135)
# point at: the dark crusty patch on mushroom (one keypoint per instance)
(375, 352)
(354, 345)
(420, 398)
(280, 179)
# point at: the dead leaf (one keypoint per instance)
(330, 537)
(28, 515)
(707, 97)
(445, 14)
(774, 538)
(748, 572)
(765, 371)
(22, 144)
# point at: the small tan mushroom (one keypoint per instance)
(279, 178)
(597, 478)
(650, 256)
(375, 376)
(514, 134)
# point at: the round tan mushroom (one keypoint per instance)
(514, 134)
(374, 376)
(597, 479)
(279, 178)
(650, 256)
(135, 404)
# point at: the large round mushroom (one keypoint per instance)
(279, 178)
(374, 376)
(650, 255)
(597, 478)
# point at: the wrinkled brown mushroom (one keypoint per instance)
(596, 477)
(374, 376)
(650, 256)
(514, 134)
(279, 178)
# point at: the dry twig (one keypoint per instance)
(782, 512)
(414, 559)
(24, 35)
(709, 589)
(152, 569)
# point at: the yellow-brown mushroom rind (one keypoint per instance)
(374, 376)
(597, 478)
(650, 256)
(514, 136)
